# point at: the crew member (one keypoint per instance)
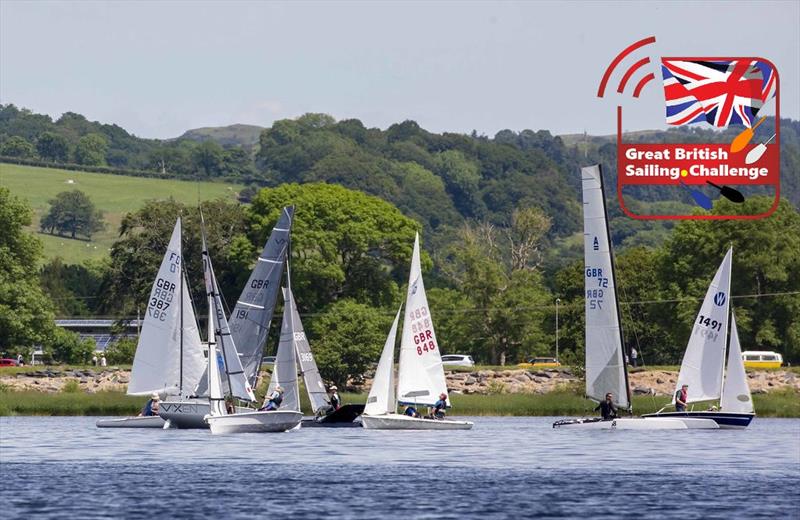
(681, 397)
(151, 406)
(440, 407)
(333, 398)
(274, 399)
(607, 408)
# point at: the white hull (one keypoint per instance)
(635, 423)
(189, 414)
(153, 421)
(254, 422)
(404, 422)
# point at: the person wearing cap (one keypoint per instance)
(333, 398)
(681, 397)
(274, 399)
(151, 407)
(440, 407)
(607, 409)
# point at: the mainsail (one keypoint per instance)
(735, 391)
(252, 315)
(421, 378)
(308, 367)
(605, 363)
(285, 370)
(167, 358)
(381, 396)
(216, 395)
(703, 363)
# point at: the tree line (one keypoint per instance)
(492, 288)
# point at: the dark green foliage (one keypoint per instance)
(121, 352)
(53, 147)
(17, 146)
(67, 347)
(72, 213)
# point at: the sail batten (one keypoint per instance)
(605, 362)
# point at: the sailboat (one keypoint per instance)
(703, 365)
(292, 331)
(249, 323)
(421, 376)
(222, 354)
(169, 355)
(606, 370)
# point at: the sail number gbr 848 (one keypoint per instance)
(422, 329)
(594, 295)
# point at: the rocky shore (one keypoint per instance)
(482, 382)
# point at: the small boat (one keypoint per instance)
(152, 421)
(169, 355)
(703, 365)
(223, 355)
(606, 370)
(249, 324)
(421, 375)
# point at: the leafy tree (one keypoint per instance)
(121, 352)
(91, 150)
(348, 338)
(144, 235)
(345, 244)
(53, 147)
(74, 213)
(26, 316)
(207, 158)
(74, 289)
(17, 146)
(67, 347)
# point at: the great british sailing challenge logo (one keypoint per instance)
(719, 92)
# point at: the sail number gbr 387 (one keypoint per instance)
(163, 291)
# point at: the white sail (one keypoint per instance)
(381, 395)
(704, 360)
(156, 365)
(315, 388)
(194, 363)
(605, 363)
(421, 377)
(284, 372)
(736, 396)
(215, 362)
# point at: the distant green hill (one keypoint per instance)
(231, 135)
(115, 195)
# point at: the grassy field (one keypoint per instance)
(115, 195)
(775, 404)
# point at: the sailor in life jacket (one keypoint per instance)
(274, 400)
(681, 396)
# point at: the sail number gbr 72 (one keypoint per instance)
(594, 297)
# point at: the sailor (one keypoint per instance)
(411, 411)
(274, 399)
(440, 407)
(151, 407)
(333, 398)
(607, 408)
(681, 396)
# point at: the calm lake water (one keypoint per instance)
(64, 467)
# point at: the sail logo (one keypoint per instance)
(729, 95)
(719, 299)
(596, 244)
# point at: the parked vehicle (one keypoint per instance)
(540, 362)
(268, 361)
(5, 362)
(459, 360)
(761, 359)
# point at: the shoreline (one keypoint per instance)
(783, 403)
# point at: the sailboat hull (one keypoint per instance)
(404, 422)
(153, 421)
(344, 417)
(254, 422)
(637, 423)
(725, 420)
(189, 415)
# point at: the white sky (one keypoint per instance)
(160, 68)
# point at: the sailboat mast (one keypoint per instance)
(180, 310)
(616, 294)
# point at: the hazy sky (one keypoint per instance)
(160, 68)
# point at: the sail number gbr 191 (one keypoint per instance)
(423, 330)
(596, 283)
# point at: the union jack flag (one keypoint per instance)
(720, 93)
